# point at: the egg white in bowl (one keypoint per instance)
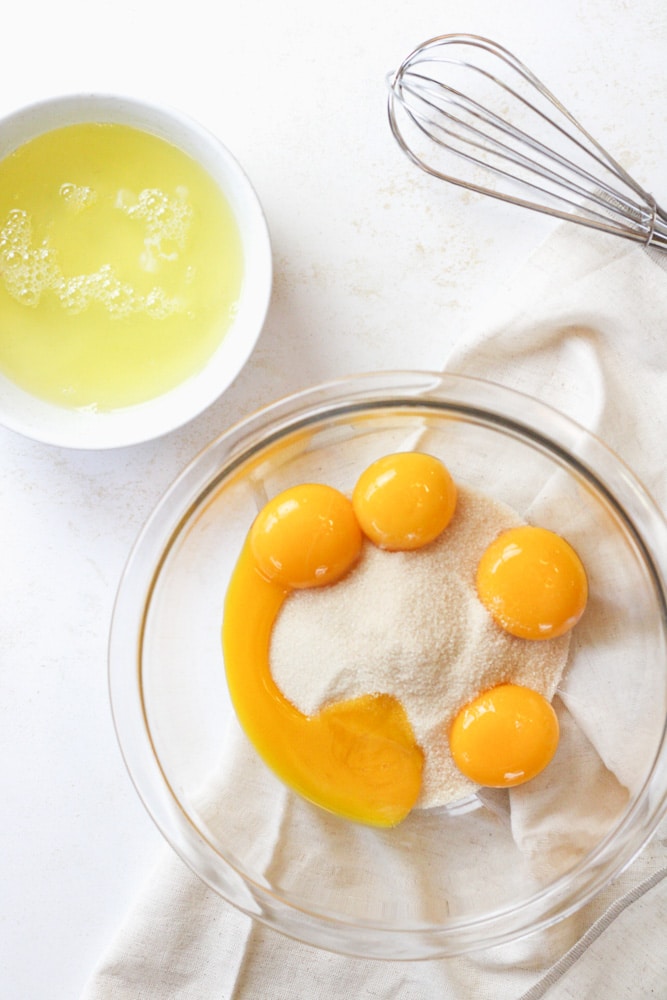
(135, 270)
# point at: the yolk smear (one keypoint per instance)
(404, 501)
(533, 583)
(504, 737)
(307, 536)
(357, 758)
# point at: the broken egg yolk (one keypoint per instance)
(307, 536)
(356, 758)
(505, 737)
(404, 501)
(532, 583)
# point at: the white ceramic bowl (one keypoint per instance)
(82, 428)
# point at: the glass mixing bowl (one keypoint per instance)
(445, 881)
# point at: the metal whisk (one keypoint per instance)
(466, 110)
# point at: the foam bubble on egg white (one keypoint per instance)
(27, 270)
(166, 220)
(119, 298)
(77, 196)
(31, 270)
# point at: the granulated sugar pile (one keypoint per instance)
(410, 624)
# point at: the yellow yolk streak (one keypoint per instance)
(356, 758)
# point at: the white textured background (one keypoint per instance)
(376, 267)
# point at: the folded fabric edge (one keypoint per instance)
(567, 961)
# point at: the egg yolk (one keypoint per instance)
(307, 536)
(504, 737)
(533, 583)
(356, 758)
(404, 501)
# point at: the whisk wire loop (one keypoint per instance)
(516, 141)
(419, 87)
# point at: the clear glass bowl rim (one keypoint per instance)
(464, 396)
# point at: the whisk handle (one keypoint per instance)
(658, 235)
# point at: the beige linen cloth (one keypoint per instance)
(582, 326)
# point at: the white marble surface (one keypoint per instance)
(376, 267)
